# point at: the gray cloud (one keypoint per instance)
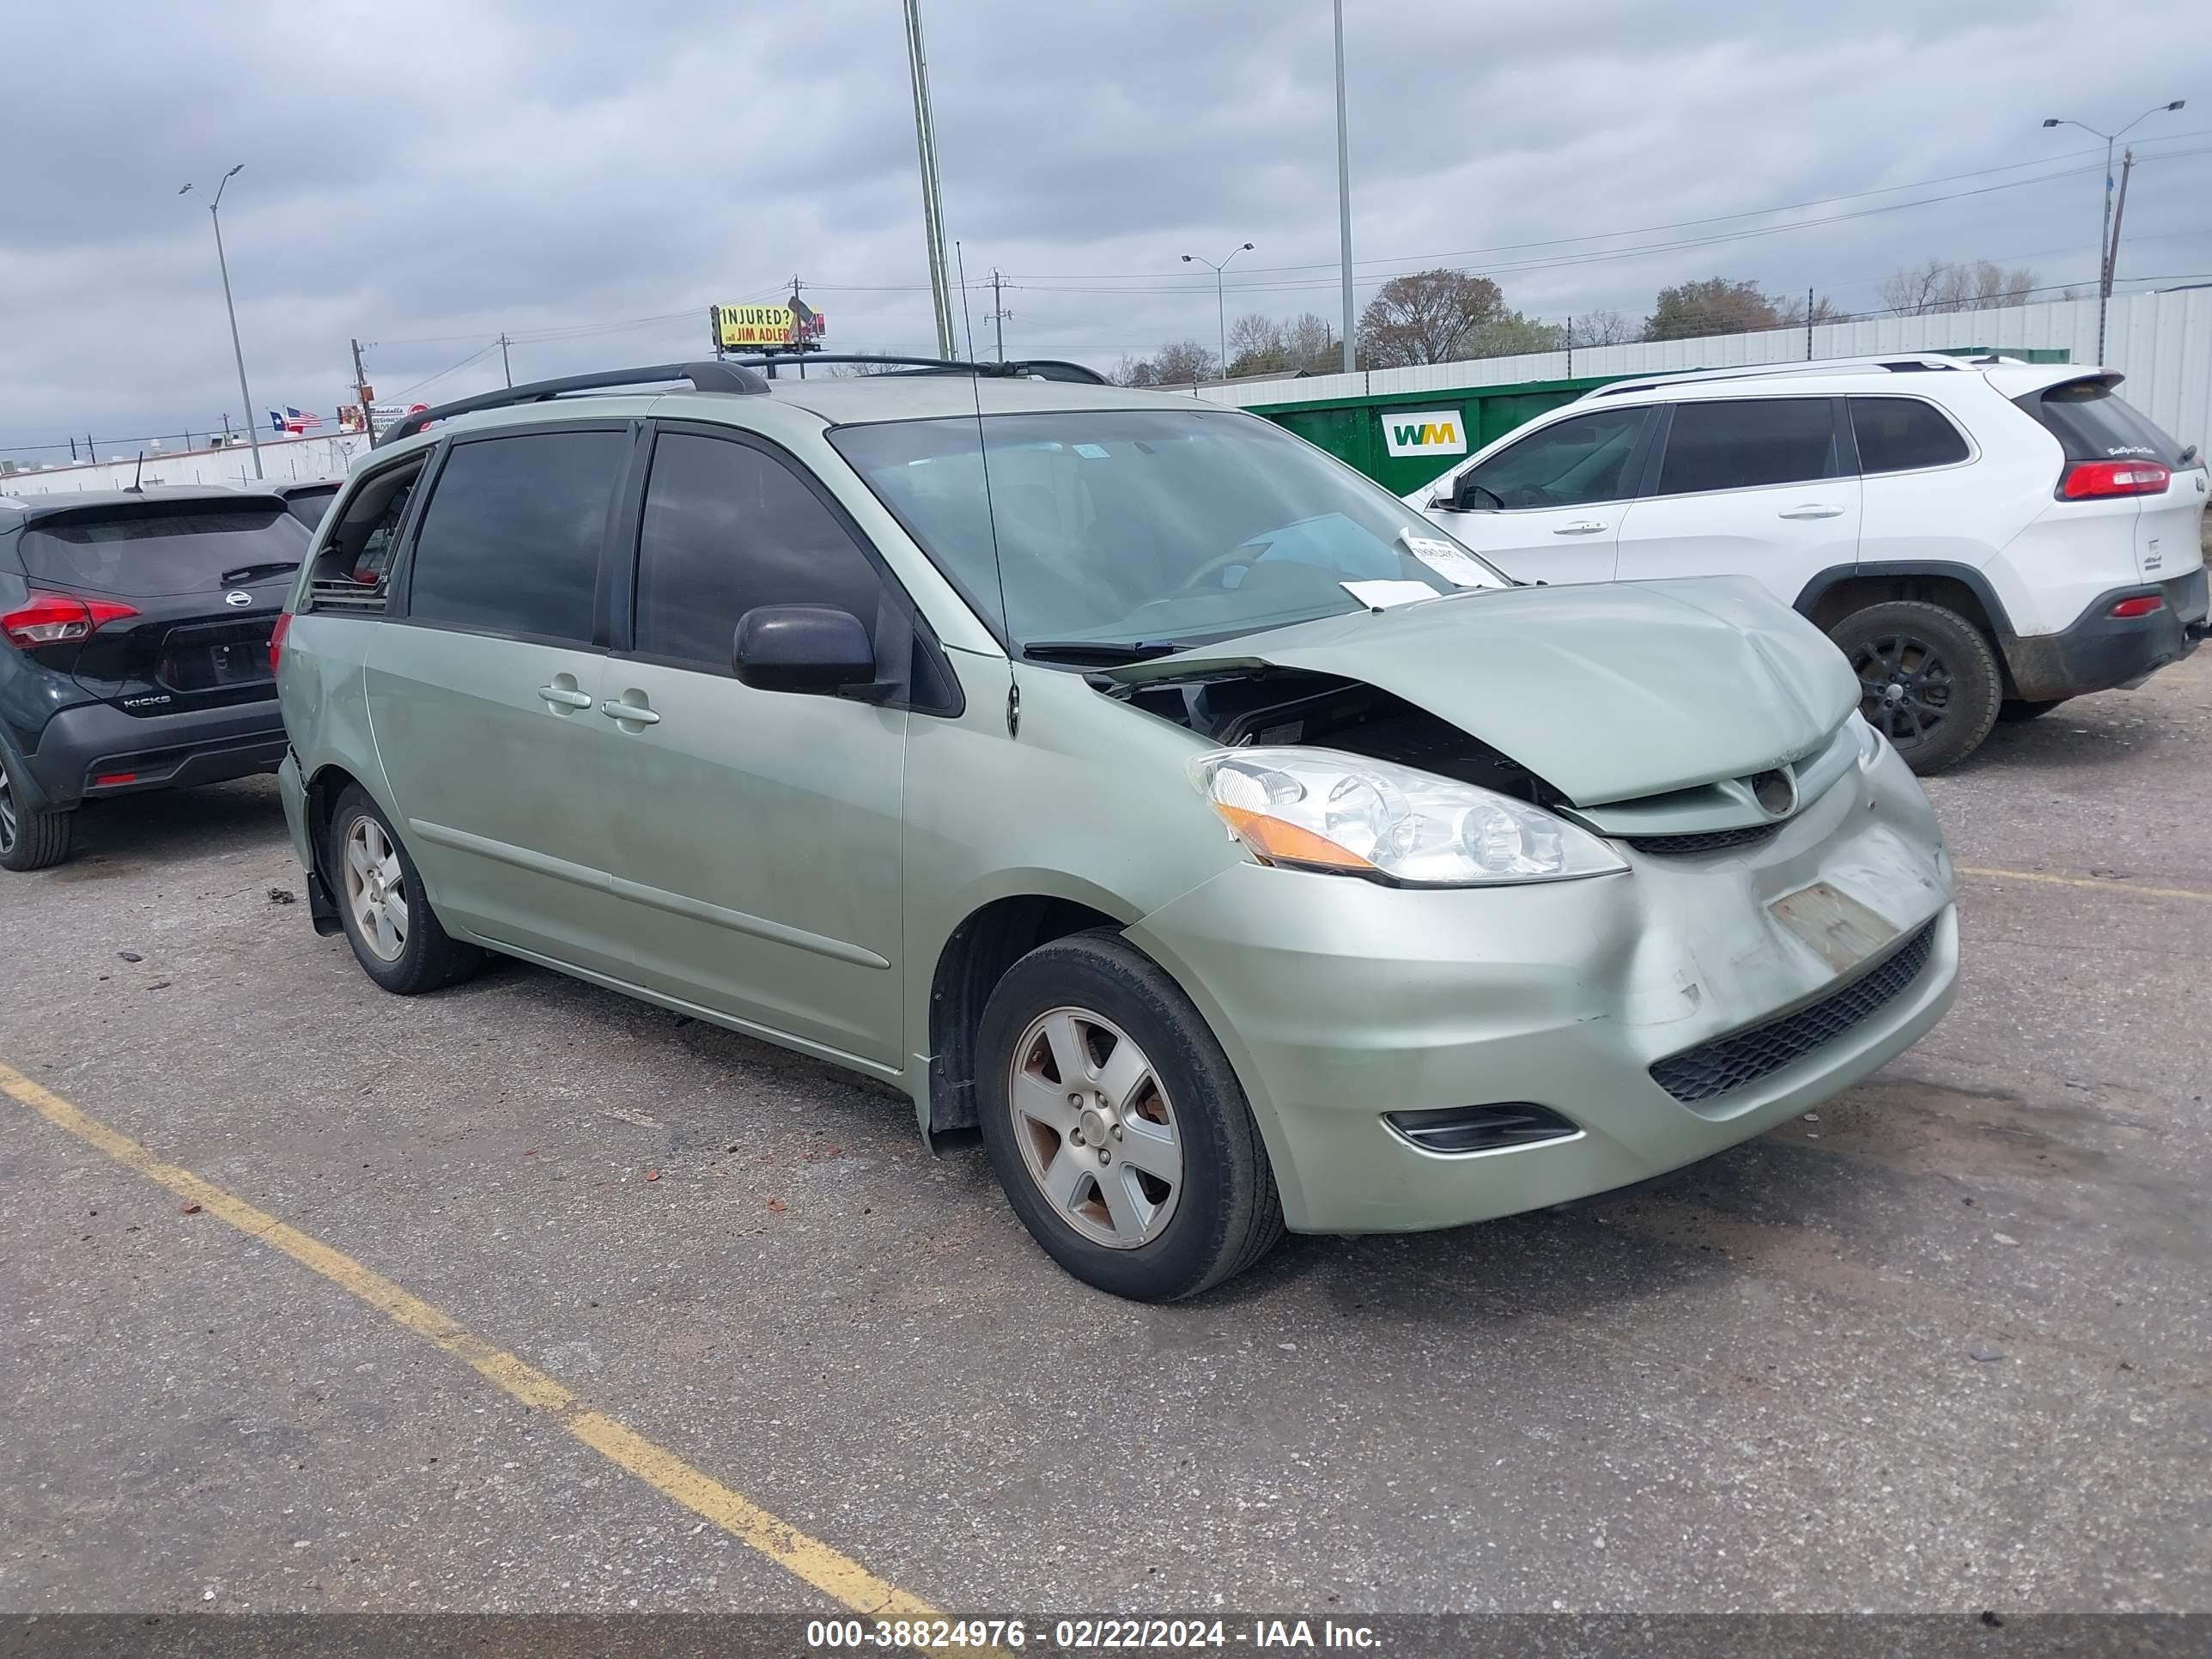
(426, 175)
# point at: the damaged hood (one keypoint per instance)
(1609, 691)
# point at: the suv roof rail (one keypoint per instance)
(1034, 368)
(1893, 363)
(708, 376)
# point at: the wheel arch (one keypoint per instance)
(973, 957)
(1841, 590)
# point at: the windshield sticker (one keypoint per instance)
(1447, 561)
(1091, 451)
(1382, 596)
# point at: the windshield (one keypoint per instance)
(1147, 526)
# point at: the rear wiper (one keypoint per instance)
(1097, 651)
(246, 573)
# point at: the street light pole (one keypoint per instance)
(932, 206)
(1220, 300)
(215, 213)
(2107, 252)
(1343, 192)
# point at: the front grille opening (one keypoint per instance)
(1730, 1063)
(1711, 841)
(1481, 1128)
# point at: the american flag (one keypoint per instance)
(295, 420)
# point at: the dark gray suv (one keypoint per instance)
(134, 649)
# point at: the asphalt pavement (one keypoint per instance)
(1941, 1347)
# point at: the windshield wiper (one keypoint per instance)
(246, 573)
(1097, 651)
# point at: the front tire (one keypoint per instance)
(396, 936)
(29, 840)
(1927, 679)
(1116, 1126)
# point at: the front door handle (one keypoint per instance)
(635, 713)
(1580, 528)
(1813, 510)
(565, 696)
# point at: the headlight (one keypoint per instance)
(1870, 742)
(1315, 809)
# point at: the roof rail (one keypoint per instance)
(709, 376)
(1034, 368)
(1890, 362)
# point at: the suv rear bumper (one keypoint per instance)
(159, 751)
(2100, 651)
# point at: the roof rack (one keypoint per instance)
(1031, 368)
(709, 376)
(1893, 363)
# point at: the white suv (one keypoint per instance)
(1984, 538)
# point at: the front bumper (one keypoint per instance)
(1337, 1000)
(2098, 651)
(82, 744)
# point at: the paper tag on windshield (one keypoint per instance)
(1447, 561)
(1381, 596)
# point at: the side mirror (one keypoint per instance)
(803, 647)
(1469, 496)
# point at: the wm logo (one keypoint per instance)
(1425, 432)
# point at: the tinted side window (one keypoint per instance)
(1896, 434)
(1583, 458)
(1739, 442)
(511, 539)
(728, 528)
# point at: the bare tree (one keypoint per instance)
(1258, 345)
(1600, 328)
(1427, 317)
(1937, 286)
(1312, 344)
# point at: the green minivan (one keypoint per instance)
(1115, 773)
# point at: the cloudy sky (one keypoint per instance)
(587, 178)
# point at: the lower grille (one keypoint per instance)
(1712, 840)
(1733, 1062)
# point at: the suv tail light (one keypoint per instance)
(60, 618)
(276, 639)
(2087, 481)
(2142, 606)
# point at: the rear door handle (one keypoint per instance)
(1580, 528)
(636, 713)
(564, 696)
(1813, 510)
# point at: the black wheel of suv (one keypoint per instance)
(29, 840)
(396, 936)
(2014, 710)
(1116, 1127)
(1927, 680)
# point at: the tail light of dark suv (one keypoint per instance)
(59, 619)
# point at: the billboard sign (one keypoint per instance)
(739, 328)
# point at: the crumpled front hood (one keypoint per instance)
(1609, 691)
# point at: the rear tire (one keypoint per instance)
(1181, 1196)
(396, 936)
(29, 840)
(2014, 710)
(1927, 679)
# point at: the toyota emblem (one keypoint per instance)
(238, 599)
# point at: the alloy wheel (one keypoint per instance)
(1097, 1130)
(1904, 687)
(376, 888)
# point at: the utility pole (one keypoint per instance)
(933, 209)
(1343, 195)
(2119, 213)
(361, 386)
(998, 313)
(215, 213)
(503, 369)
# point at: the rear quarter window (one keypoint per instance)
(2093, 423)
(1899, 435)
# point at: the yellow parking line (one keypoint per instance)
(809, 1559)
(2100, 884)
